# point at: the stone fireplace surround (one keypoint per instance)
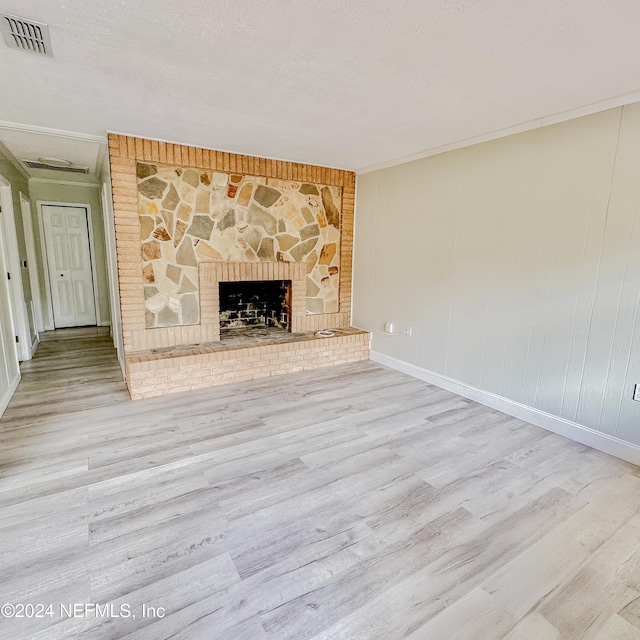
(170, 359)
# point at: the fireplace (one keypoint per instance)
(248, 305)
(225, 308)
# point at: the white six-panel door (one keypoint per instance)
(69, 261)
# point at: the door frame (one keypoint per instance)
(8, 393)
(112, 270)
(5, 398)
(32, 263)
(43, 248)
(19, 307)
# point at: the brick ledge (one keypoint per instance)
(159, 372)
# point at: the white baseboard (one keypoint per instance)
(122, 367)
(572, 430)
(34, 345)
(4, 401)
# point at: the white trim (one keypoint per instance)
(13, 356)
(537, 123)
(21, 324)
(48, 131)
(353, 247)
(32, 263)
(94, 271)
(36, 339)
(48, 325)
(92, 257)
(572, 430)
(67, 182)
(6, 399)
(112, 268)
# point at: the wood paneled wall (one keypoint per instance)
(517, 264)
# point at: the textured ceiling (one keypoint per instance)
(344, 83)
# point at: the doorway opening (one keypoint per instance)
(69, 264)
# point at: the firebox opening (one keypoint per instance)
(250, 305)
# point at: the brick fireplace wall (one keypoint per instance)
(126, 153)
(188, 218)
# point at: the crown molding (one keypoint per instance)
(48, 131)
(537, 123)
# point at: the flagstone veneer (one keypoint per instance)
(150, 225)
(189, 216)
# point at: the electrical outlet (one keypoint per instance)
(636, 392)
(390, 330)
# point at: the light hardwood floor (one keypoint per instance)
(345, 503)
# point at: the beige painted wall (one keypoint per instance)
(517, 264)
(50, 192)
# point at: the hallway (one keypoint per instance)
(72, 370)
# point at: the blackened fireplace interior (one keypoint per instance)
(249, 304)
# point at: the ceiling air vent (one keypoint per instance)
(25, 35)
(34, 164)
